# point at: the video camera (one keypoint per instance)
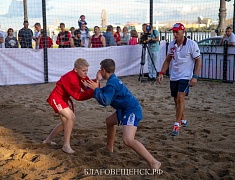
(144, 37)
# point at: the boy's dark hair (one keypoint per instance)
(77, 31)
(62, 24)
(10, 29)
(82, 16)
(108, 65)
(37, 24)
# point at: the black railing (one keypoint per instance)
(218, 63)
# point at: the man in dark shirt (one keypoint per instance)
(63, 37)
(25, 36)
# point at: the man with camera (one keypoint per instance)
(150, 38)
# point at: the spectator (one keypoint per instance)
(134, 37)
(117, 35)
(82, 21)
(37, 33)
(110, 41)
(85, 36)
(97, 40)
(1, 41)
(63, 37)
(4, 34)
(41, 43)
(25, 36)
(76, 40)
(11, 41)
(228, 36)
(72, 29)
(125, 37)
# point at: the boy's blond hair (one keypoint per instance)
(80, 62)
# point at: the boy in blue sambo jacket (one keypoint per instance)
(128, 111)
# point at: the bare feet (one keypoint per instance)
(48, 142)
(105, 151)
(68, 150)
(155, 165)
(108, 149)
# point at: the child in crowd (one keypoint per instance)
(41, 41)
(128, 111)
(82, 21)
(134, 37)
(70, 84)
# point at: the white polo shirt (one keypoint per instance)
(183, 59)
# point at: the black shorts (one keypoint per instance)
(181, 85)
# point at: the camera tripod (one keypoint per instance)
(142, 62)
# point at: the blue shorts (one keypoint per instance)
(130, 118)
(181, 85)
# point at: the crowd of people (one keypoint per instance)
(80, 37)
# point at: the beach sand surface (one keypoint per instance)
(204, 150)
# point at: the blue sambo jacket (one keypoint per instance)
(116, 94)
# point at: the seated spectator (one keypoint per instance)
(97, 40)
(49, 42)
(110, 41)
(125, 37)
(85, 36)
(134, 37)
(117, 35)
(11, 41)
(82, 21)
(76, 40)
(63, 37)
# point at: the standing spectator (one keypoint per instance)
(72, 29)
(97, 40)
(63, 37)
(1, 41)
(4, 35)
(110, 41)
(125, 37)
(37, 33)
(25, 36)
(85, 36)
(183, 60)
(117, 35)
(76, 40)
(40, 42)
(11, 41)
(134, 37)
(228, 36)
(153, 46)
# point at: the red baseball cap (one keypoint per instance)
(178, 26)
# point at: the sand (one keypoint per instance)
(204, 150)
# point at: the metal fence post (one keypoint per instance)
(225, 68)
(151, 13)
(45, 41)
